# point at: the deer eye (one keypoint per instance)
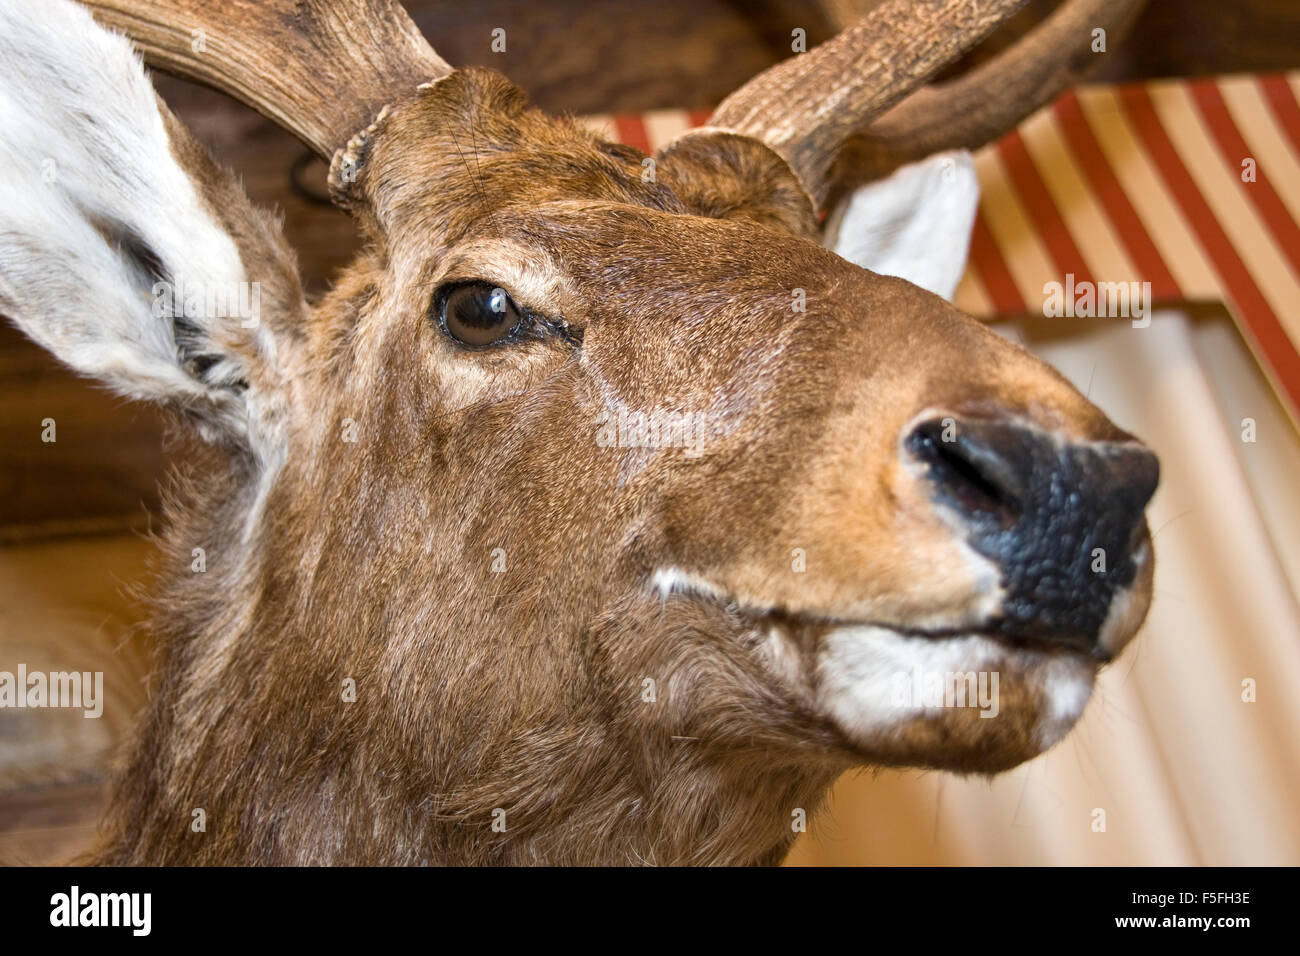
(478, 313)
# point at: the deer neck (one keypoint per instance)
(583, 763)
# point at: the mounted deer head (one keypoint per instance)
(592, 516)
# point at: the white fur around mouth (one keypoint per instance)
(859, 665)
(860, 668)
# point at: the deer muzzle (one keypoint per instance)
(1063, 521)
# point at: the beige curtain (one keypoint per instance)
(1185, 771)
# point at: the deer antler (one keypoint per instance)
(323, 70)
(810, 107)
(992, 98)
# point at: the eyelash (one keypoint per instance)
(561, 330)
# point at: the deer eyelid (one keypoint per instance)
(463, 327)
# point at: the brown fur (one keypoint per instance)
(523, 690)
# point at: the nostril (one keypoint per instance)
(1061, 519)
(969, 472)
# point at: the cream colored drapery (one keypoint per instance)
(1184, 769)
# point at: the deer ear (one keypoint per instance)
(123, 249)
(914, 224)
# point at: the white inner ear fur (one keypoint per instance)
(914, 224)
(86, 161)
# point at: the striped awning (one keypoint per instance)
(1190, 185)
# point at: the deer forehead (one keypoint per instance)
(468, 145)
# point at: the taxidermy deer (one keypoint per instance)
(448, 613)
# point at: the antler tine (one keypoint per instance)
(992, 98)
(323, 70)
(806, 108)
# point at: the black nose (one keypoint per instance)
(1062, 520)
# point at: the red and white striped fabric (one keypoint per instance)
(1135, 182)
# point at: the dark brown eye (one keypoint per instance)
(478, 313)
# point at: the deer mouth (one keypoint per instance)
(969, 699)
(973, 700)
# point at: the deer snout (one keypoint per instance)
(1062, 520)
